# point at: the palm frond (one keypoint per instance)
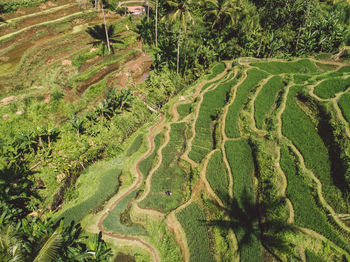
(49, 250)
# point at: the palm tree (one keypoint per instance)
(48, 247)
(98, 33)
(222, 11)
(181, 13)
(11, 249)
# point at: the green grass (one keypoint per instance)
(216, 70)
(212, 103)
(323, 56)
(326, 67)
(300, 78)
(107, 187)
(146, 165)
(193, 222)
(169, 176)
(135, 146)
(244, 212)
(329, 87)
(217, 176)
(184, 110)
(312, 257)
(307, 213)
(344, 104)
(112, 221)
(266, 99)
(276, 68)
(344, 69)
(254, 76)
(298, 127)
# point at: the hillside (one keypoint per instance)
(248, 164)
(169, 154)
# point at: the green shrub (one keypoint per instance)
(276, 68)
(193, 222)
(344, 104)
(217, 176)
(329, 87)
(266, 99)
(254, 76)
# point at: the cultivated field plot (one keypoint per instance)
(251, 165)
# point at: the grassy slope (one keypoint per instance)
(297, 126)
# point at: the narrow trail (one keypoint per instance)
(7, 36)
(155, 168)
(135, 185)
(283, 189)
(205, 181)
(43, 12)
(261, 84)
(280, 171)
(180, 236)
(324, 203)
(200, 94)
(223, 133)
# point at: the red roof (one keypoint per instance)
(136, 9)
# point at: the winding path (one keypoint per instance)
(134, 186)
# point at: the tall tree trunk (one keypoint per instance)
(156, 29)
(147, 11)
(107, 38)
(298, 39)
(178, 52)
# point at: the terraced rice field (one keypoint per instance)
(248, 145)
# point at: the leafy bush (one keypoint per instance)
(329, 87)
(266, 99)
(254, 76)
(344, 103)
(217, 176)
(193, 222)
(209, 112)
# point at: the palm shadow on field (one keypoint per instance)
(98, 33)
(242, 216)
